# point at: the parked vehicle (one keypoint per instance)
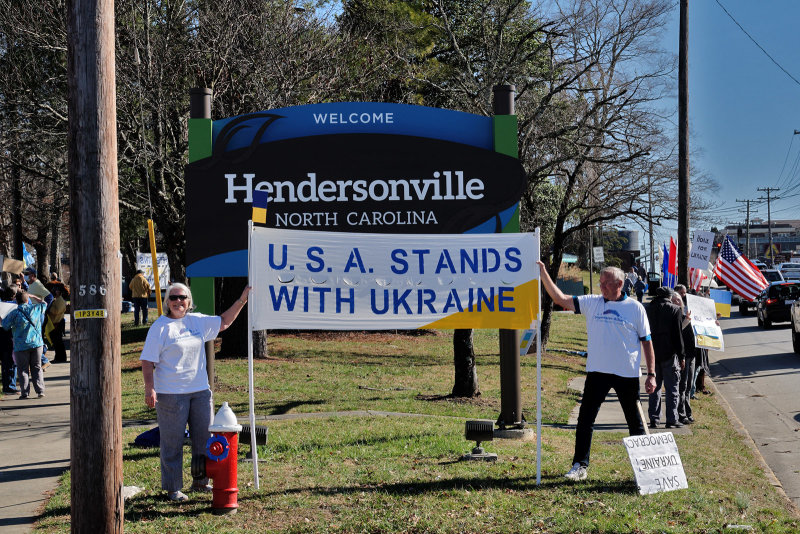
(789, 266)
(774, 303)
(791, 274)
(772, 275)
(653, 283)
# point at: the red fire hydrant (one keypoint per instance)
(221, 459)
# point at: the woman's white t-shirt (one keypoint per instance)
(177, 348)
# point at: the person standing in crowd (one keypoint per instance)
(619, 335)
(55, 282)
(687, 373)
(175, 380)
(667, 330)
(25, 323)
(55, 315)
(140, 292)
(9, 368)
(35, 287)
(20, 282)
(639, 287)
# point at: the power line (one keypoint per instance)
(795, 80)
(780, 175)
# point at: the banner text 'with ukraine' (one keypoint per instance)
(347, 281)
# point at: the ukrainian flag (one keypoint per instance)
(260, 201)
(722, 301)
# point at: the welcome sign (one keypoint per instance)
(343, 281)
(347, 167)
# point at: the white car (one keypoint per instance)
(789, 265)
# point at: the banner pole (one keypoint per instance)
(538, 374)
(152, 234)
(253, 446)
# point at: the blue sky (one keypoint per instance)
(743, 109)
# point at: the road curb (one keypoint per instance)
(751, 444)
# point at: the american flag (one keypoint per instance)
(737, 272)
(696, 277)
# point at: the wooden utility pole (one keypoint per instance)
(683, 145)
(747, 227)
(95, 402)
(770, 253)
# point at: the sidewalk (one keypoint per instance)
(610, 417)
(34, 440)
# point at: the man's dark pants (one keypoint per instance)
(139, 305)
(595, 391)
(685, 389)
(667, 373)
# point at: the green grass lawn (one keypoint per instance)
(403, 474)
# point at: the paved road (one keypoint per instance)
(759, 376)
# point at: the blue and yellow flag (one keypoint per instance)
(260, 201)
(722, 301)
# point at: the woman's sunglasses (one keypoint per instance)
(178, 297)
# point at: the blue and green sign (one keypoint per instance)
(348, 167)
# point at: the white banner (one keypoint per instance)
(597, 255)
(144, 262)
(347, 281)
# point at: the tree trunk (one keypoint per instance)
(466, 377)
(16, 214)
(55, 250)
(234, 339)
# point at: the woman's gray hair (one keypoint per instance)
(614, 272)
(185, 288)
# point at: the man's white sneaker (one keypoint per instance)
(578, 472)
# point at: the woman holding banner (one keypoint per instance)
(175, 380)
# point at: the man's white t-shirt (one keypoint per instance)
(616, 329)
(177, 347)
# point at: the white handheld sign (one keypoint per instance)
(656, 463)
(701, 249)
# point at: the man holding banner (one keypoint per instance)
(618, 333)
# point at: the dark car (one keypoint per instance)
(774, 303)
(772, 275)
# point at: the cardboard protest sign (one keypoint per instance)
(144, 262)
(707, 333)
(10, 265)
(656, 463)
(344, 281)
(37, 288)
(700, 253)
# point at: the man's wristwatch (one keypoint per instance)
(651, 374)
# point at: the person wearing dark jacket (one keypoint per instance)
(666, 329)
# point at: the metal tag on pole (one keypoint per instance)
(250, 380)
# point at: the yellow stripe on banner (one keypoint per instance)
(526, 306)
(710, 342)
(723, 309)
(260, 215)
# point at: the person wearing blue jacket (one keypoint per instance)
(25, 323)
